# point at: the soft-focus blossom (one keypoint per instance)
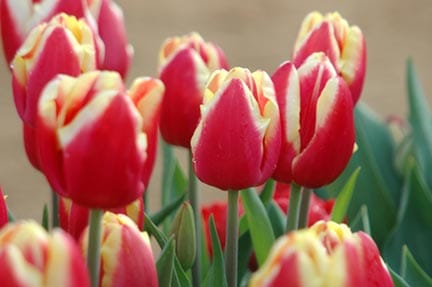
(325, 255)
(91, 145)
(111, 29)
(343, 44)
(126, 254)
(3, 210)
(147, 93)
(74, 218)
(185, 63)
(317, 120)
(17, 18)
(237, 141)
(29, 256)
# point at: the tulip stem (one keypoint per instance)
(231, 249)
(54, 208)
(194, 201)
(294, 207)
(304, 207)
(93, 251)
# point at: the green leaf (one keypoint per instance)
(165, 264)
(379, 184)
(414, 223)
(420, 119)
(361, 221)
(277, 219)
(244, 253)
(216, 275)
(397, 279)
(45, 217)
(266, 194)
(11, 217)
(412, 272)
(344, 198)
(259, 224)
(168, 210)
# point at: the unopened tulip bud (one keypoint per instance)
(29, 256)
(237, 142)
(343, 44)
(126, 255)
(183, 229)
(185, 63)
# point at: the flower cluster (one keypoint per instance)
(96, 143)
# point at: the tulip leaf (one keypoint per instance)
(165, 264)
(277, 219)
(216, 275)
(243, 225)
(398, 281)
(344, 198)
(11, 217)
(414, 222)
(361, 221)
(205, 257)
(168, 210)
(378, 185)
(266, 194)
(244, 253)
(45, 217)
(259, 224)
(420, 119)
(412, 272)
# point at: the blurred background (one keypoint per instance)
(258, 34)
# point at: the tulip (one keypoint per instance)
(126, 254)
(237, 141)
(147, 93)
(3, 210)
(91, 145)
(64, 45)
(17, 18)
(316, 112)
(29, 256)
(74, 218)
(343, 44)
(185, 63)
(325, 255)
(112, 30)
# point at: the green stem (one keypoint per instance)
(93, 251)
(194, 201)
(293, 207)
(231, 249)
(304, 207)
(54, 208)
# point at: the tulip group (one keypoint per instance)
(325, 255)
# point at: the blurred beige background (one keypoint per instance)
(254, 34)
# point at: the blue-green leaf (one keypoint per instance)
(259, 224)
(361, 221)
(168, 210)
(165, 264)
(397, 279)
(412, 272)
(344, 198)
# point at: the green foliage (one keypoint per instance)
(165, 263)
(344, 198)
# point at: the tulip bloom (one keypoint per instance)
(126, 254)
(237, 141)
(91, 145)
(31, 257)
(316, 112)
(147, 93)
(325, 255)
(185, 63)
(17, 18)
(74, 218)
(112, 31)
(3, 210)
(343, 44)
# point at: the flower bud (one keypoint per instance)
(74, 218)
(91, 145)
(183, 229)
(237, 142)
(185, 63)
(343, 44)
(325, 255)
(126, 254)
(317, 120)
(31, 257)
